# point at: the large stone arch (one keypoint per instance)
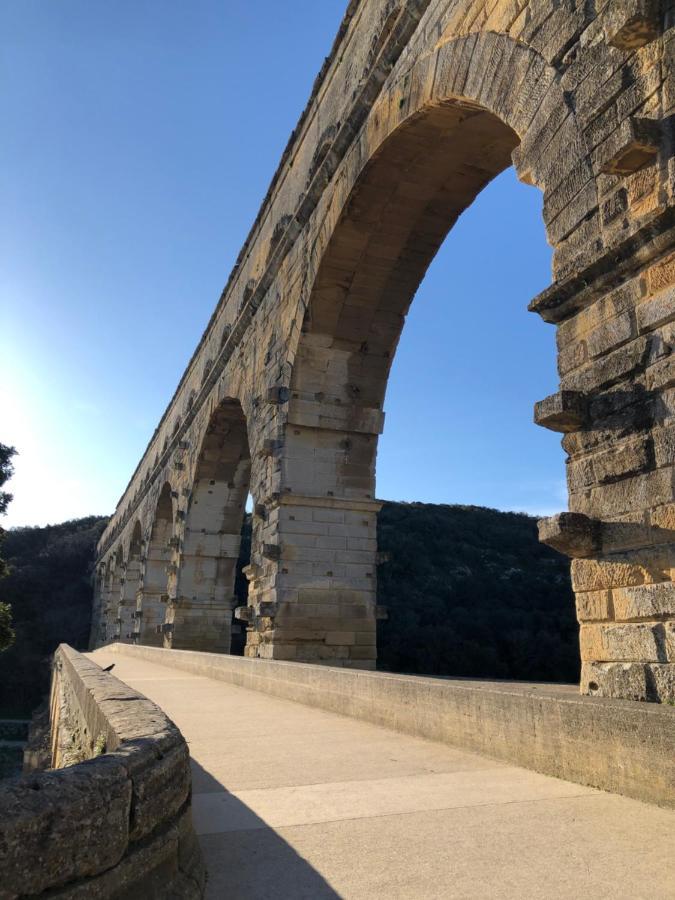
(581, 97)
(414, 169)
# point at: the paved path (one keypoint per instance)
(294, 802)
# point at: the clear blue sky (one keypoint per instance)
(139, 137)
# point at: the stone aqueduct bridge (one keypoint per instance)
(419, 105)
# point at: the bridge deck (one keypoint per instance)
(294, 802)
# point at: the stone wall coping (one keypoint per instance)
(109, 822)
(622, 746)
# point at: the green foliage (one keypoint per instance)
(49, 589)
(471, 592)
(6, 630)
(6, 472)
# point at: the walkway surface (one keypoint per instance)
(294, 802)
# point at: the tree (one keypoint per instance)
(6, 472)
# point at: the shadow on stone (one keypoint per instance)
(245, 857)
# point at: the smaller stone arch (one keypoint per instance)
(116, 581)
(100, 591)
(208, 538)
(130, 587)
(152, 594)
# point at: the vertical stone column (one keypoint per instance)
(128, 601)
(200, 611)
(617, 411)
(113, 606)
(152, 596)
(313, 574)
(312, 593)
(97, 609)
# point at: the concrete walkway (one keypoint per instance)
(293, 802)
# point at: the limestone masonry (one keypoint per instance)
(112, 820)
(418, 107)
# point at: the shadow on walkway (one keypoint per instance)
(245, 858)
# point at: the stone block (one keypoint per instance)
(623, 643)
(594, 606)
(634, 144)
(564, 411)
(648, 601)
(631, 24)
(610, 335)
(41, 815)
(627, 681)
(600, 574)
(656, 311)
(573, 534)
(160, 789)
(662, 274)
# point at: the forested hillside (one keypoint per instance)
(470, 592)
(49, 590)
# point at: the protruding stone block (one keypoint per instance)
(564, 412)
(252, 571)
(631, 23)
(244, 613)
(573, 534)
(278, 395)
(634, 144)
(271, 551)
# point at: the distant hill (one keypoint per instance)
(470, 592)
(50, 592)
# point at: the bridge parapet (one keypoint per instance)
(113, 817)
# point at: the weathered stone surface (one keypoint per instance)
(632, 146)
(571, 533)
(564, 411)
(117, 825)
(618, 643)
(631, 23)
(645, 602)
(44, 816)
(594, 606)
(415, 110)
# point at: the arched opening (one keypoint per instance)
(386, 233)
(469, 589)
(97, 610)
(201, 611)
(130, 587)
(151, 603)
(116, 585)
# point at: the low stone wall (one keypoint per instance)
(621, 746)
(116, 821)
